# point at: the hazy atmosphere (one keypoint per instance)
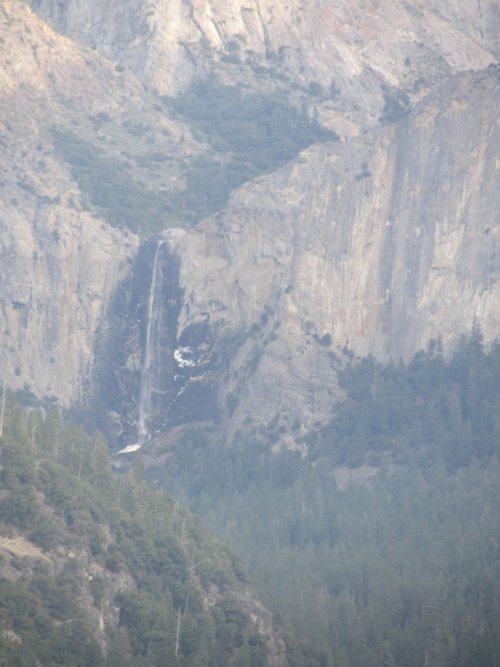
(250, 333)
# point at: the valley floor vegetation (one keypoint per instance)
(400, 564)
(380, 547)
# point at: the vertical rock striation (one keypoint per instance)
(346, 48)
(150, 375)
(59, 263)
(381, 243)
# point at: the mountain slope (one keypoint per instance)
(349, 50)
(378, 244)
(182, 264)
(377, 542)
(96, 570)
(61, 259)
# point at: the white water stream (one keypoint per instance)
(149, 367)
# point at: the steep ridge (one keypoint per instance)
(60, 263)
(241, 324)
(377, 245)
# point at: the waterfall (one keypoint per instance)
(150, 350)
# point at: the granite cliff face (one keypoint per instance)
(344, 53)
(61, 259)
(59, 262)
(377, 243)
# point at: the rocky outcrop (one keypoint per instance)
(60, 263)
(345, 52)
(59, 272)
(379, 244)
(60, 260)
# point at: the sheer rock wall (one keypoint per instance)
(349, 49)
(379, 244)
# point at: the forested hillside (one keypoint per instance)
(101, 570)
(381, 545)
(383, 555)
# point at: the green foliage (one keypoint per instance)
(38, 639)
(263, 129)
(109, 187)
(396, 105)
(432, 409)
(398, 568)
(59, 494)
(21, 507)
(248, 134)
(253, 133)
